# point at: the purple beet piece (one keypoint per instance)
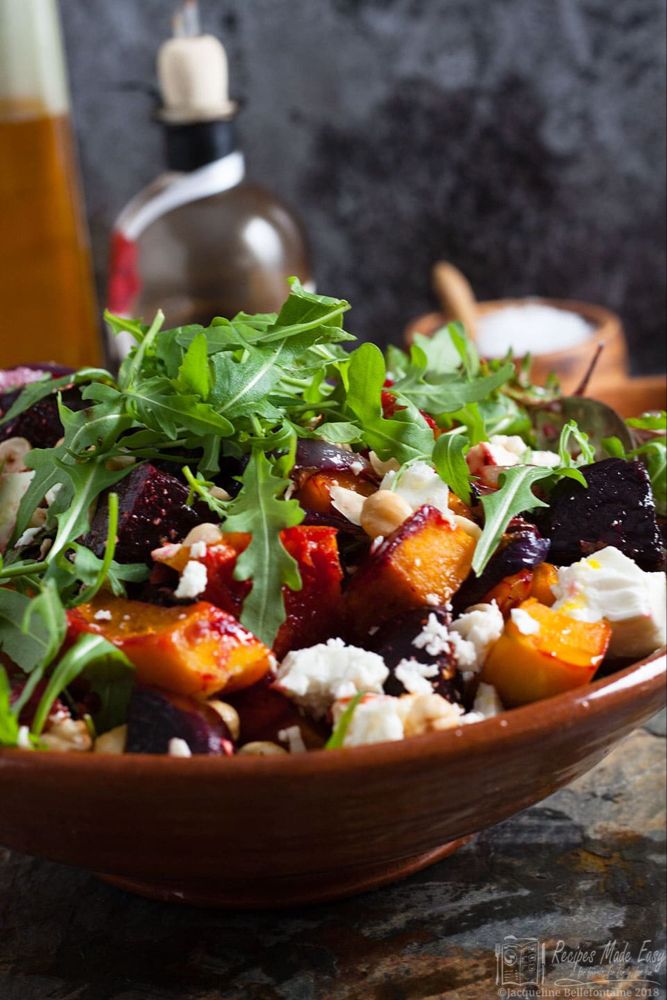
(617, 508)
(395, 642)
(40, 424)
(521, 548)
(152, 512)
(320, 456)
(155, 717)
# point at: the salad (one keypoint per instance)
(257, 540)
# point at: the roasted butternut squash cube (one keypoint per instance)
(194, 650)
(544, 652)
(424, 562)
(314, 494)
(545, 577)
(511, 591)
(315, 612)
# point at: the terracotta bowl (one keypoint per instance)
(278, 831)
(570, 365)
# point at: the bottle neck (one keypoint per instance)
(195, 144)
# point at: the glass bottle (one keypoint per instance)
(201, 241)
(47, 302)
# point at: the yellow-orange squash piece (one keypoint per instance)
(562, 653)
(423, 562)
(545, 576)
(194, 650)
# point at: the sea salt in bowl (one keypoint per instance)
(565, 347)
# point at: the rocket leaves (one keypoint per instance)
(259, 510)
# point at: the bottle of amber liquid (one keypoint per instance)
(47, 303)
(201, 241)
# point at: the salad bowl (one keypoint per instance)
(283, 831)
(282, 621)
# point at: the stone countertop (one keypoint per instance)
(583, 870)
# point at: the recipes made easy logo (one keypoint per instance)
(524, 969)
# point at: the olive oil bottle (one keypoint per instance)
(201, 240)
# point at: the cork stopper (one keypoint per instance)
(193, 72)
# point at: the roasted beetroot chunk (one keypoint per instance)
(40, 425)
(520, 549)
(400, 641)
(153, 511)
(155, 717)
(616, 509)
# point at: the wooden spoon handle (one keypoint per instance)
(456, 295)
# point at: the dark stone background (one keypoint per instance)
(522, 139)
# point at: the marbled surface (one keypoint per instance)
(583, 871)
(522, 139)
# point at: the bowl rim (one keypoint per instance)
(518, 725)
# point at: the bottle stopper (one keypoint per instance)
(193, 72)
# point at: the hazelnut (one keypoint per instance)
(229, 716)
(210, 534)
(383, 512)
(261, 748)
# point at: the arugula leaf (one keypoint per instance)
(88, 652)
(193, 373)
(160, 408)
(240, 384)
(586, 452)
(9, 726)
(83, 484)
(258, 510)
(406, 436)
(442, 355)
(514, 497)
(652, 421)
(25, 649)
(111, 679)
(450, 463)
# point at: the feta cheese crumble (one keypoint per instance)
(525, 622)
(414, 676)
(382, 718)
(474, 633)
(193, 581)
(434, 637)
(419, 484)
(487, 704)
(102, 615)
(198, 550)
(609, 585)
(317, 676)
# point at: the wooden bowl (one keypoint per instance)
(569, 365)
(279, 831)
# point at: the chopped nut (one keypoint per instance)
(12, 453)
(112, 742)
(229, 716)
(262, 748)
(210, 534)
(383, 512)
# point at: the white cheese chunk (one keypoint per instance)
(376, 719)
(194, 579)
(434, 637)
(317, 676)
(414, 676)
(525, 622)
(609, 585)
(419, 484)
(474, 633)
(487, 704)
(13, 485)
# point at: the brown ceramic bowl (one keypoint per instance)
(570, 365)
(275, 831)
